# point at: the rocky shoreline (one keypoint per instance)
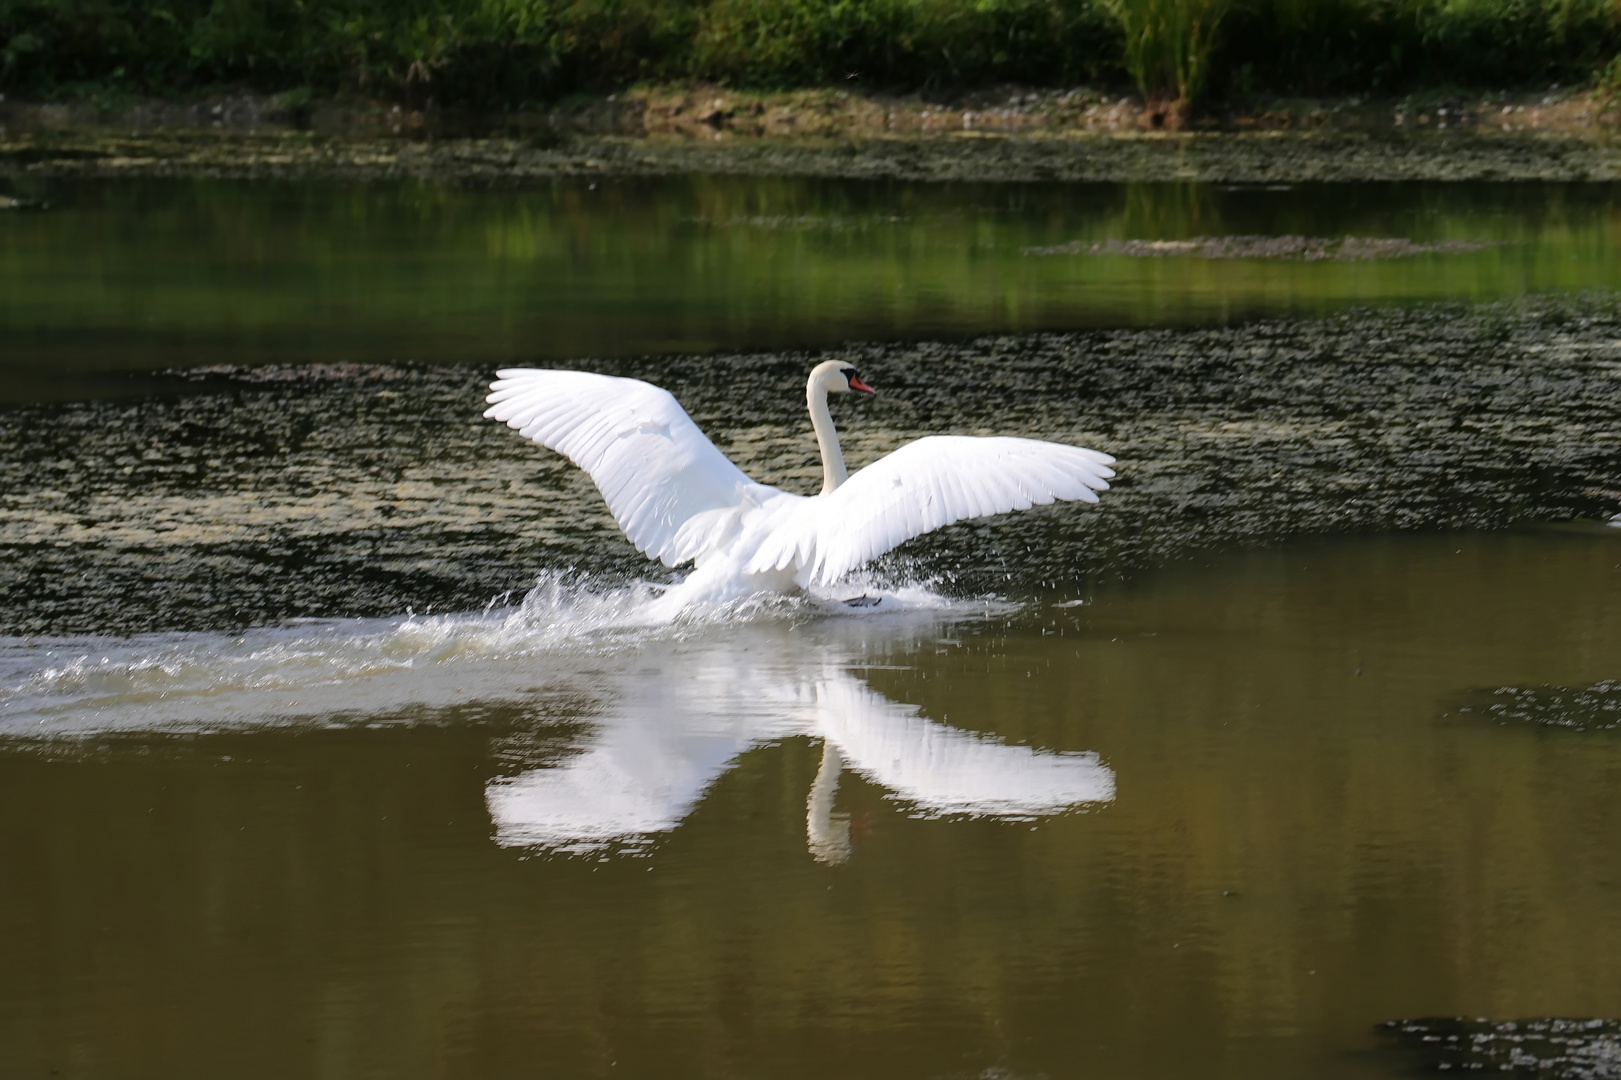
(1232, 158)
(1078, 135)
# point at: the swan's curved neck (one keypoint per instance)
(833, 471)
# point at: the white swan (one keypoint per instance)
(680, 500)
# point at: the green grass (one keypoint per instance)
(508, 53)
(1168, 45)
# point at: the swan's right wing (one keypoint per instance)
(675, 495)
(927, 484)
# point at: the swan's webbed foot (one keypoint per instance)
(863, 601)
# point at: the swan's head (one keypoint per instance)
(838, 377)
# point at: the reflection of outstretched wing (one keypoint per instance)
(671, 732)
(632, 784)
(946, 771)
(678, 722)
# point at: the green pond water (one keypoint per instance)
(141, 275)
(332, 743)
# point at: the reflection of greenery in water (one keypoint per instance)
(153, 274)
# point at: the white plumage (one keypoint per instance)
(680, 500)
(923, 486)
(649, 460)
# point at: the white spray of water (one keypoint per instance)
(333, 669)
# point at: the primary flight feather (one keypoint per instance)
(679, 499)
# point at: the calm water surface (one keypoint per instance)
(1213, 780)
(157, 274)
(825, 847)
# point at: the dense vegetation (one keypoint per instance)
(505, 53)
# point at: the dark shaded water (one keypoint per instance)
(1306, 728)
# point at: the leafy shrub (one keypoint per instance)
(1168, 45)
(503, 53)
(1338, 46)
(903, 43)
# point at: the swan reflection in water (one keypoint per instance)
(675, 725)
(678, 708)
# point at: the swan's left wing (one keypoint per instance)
(923, 486)
(675, 495)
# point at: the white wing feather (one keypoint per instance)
(676, 496)
(923, 486)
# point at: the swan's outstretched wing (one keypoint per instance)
(920, 487)
(649, 460)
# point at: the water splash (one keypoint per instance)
(329, 671)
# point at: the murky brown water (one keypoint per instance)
(1292, 835)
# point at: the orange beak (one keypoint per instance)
(857, 384)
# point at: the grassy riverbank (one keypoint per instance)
(507, 54)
